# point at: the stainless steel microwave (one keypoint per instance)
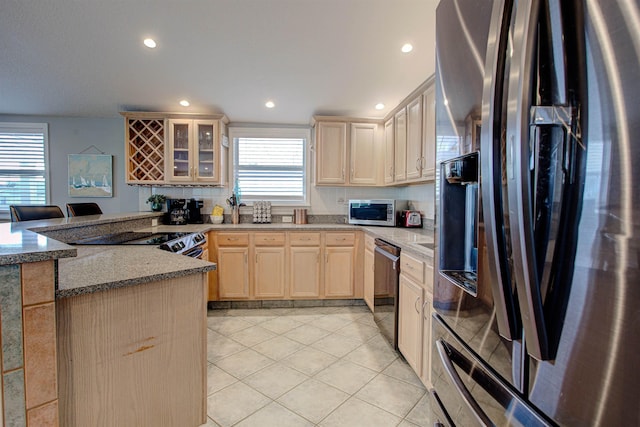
(375, 212)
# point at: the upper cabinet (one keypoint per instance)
(347, 152)
(389, 155)
(400, 150)
(195, 151)
(429, 133)
(172, 149)
(414, 139)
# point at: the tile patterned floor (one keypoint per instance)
(317, 366)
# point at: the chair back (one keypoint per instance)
(34, 212)
(82, 209)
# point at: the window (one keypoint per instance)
(23, 160)
(270, 164)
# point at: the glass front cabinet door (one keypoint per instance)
(193, 151)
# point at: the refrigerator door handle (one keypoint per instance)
(468, 399)
(491, 173)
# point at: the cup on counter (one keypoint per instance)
(299, 216)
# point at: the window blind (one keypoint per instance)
(270, 168)
(23, 179)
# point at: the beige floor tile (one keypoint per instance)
(210, 423)
(274, 415)
(331, 323)
(275, 380)
(367, 319)
(357, 330)
(372, 357)
(336, 345)
(406, 423)
(244, 363)
(305, 318)
(217, 379)
(346, 376)
(421, 413)
(392, 395)
(278, 347)
(356, 413)
(232, 404)
(280, 325)
(227, 325)
(309, 361)
(306, 334)
(313, 400)
(401, 370)
(219, 346)
(252, 335)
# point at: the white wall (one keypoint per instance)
(71, 135)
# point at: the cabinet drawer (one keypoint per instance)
(369, 243)
(268, 239)
(233, 239)
(304, 239)
(412, 267)
(340, 239)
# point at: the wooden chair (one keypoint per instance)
(34, 212)
(81, 209)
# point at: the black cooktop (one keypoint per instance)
(130, 238)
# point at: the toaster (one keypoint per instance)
(410, 219)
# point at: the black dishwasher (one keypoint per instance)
(386, 277)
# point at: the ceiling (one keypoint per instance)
(333, 57)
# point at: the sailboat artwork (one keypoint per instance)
(90, 175)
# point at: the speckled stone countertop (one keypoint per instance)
(98, 268)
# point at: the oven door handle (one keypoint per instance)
(195, 252)
(471, 403)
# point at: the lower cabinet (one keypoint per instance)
(338, 272)
(304, 272)
(368, 275)
(410, 322)
(233, 273)
(269, 276)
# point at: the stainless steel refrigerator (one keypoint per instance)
(537, 290)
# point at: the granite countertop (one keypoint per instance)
(98, 268)
(418, 241)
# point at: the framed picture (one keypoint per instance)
(90, 175)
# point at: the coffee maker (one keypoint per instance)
(194, 216)
(177, 212)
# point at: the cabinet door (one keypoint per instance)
(427, 310)
(331, 152)
(363, 154)
(429, 134)
(205, 140)
(410, 322)
(338, 272)
(414, 139)
(304, 273)
(180, 157)
(400, 148)
(389, 154)
(269, 272)
(369, 289)
(145, 150)
(233, 272)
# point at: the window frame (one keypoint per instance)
(31, 127)
(304, 133)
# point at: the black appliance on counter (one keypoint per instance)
(536, 291)
(194, 215)
(386, 277)
(177, 212)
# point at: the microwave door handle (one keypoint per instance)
(462, 390)
(491, 174)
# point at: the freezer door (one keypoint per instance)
(470, 392)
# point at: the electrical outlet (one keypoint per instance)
(287, 219)
(154, 222)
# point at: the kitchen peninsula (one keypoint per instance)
(125, 330)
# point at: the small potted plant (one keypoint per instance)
(156, 201)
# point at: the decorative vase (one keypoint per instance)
(156, 206)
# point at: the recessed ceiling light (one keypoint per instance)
(184, 103)
(407, 47)
(269, 104)
(379, 106)
(150, 43)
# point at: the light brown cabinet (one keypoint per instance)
(369, 282)
(429, 134)
(414, 314)
(414, 139)
(400, 146)
(232, 257)
(346, 152)
(175, 149)
(389, 155)
(304, 265)
(269, 272)
(339, 264)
